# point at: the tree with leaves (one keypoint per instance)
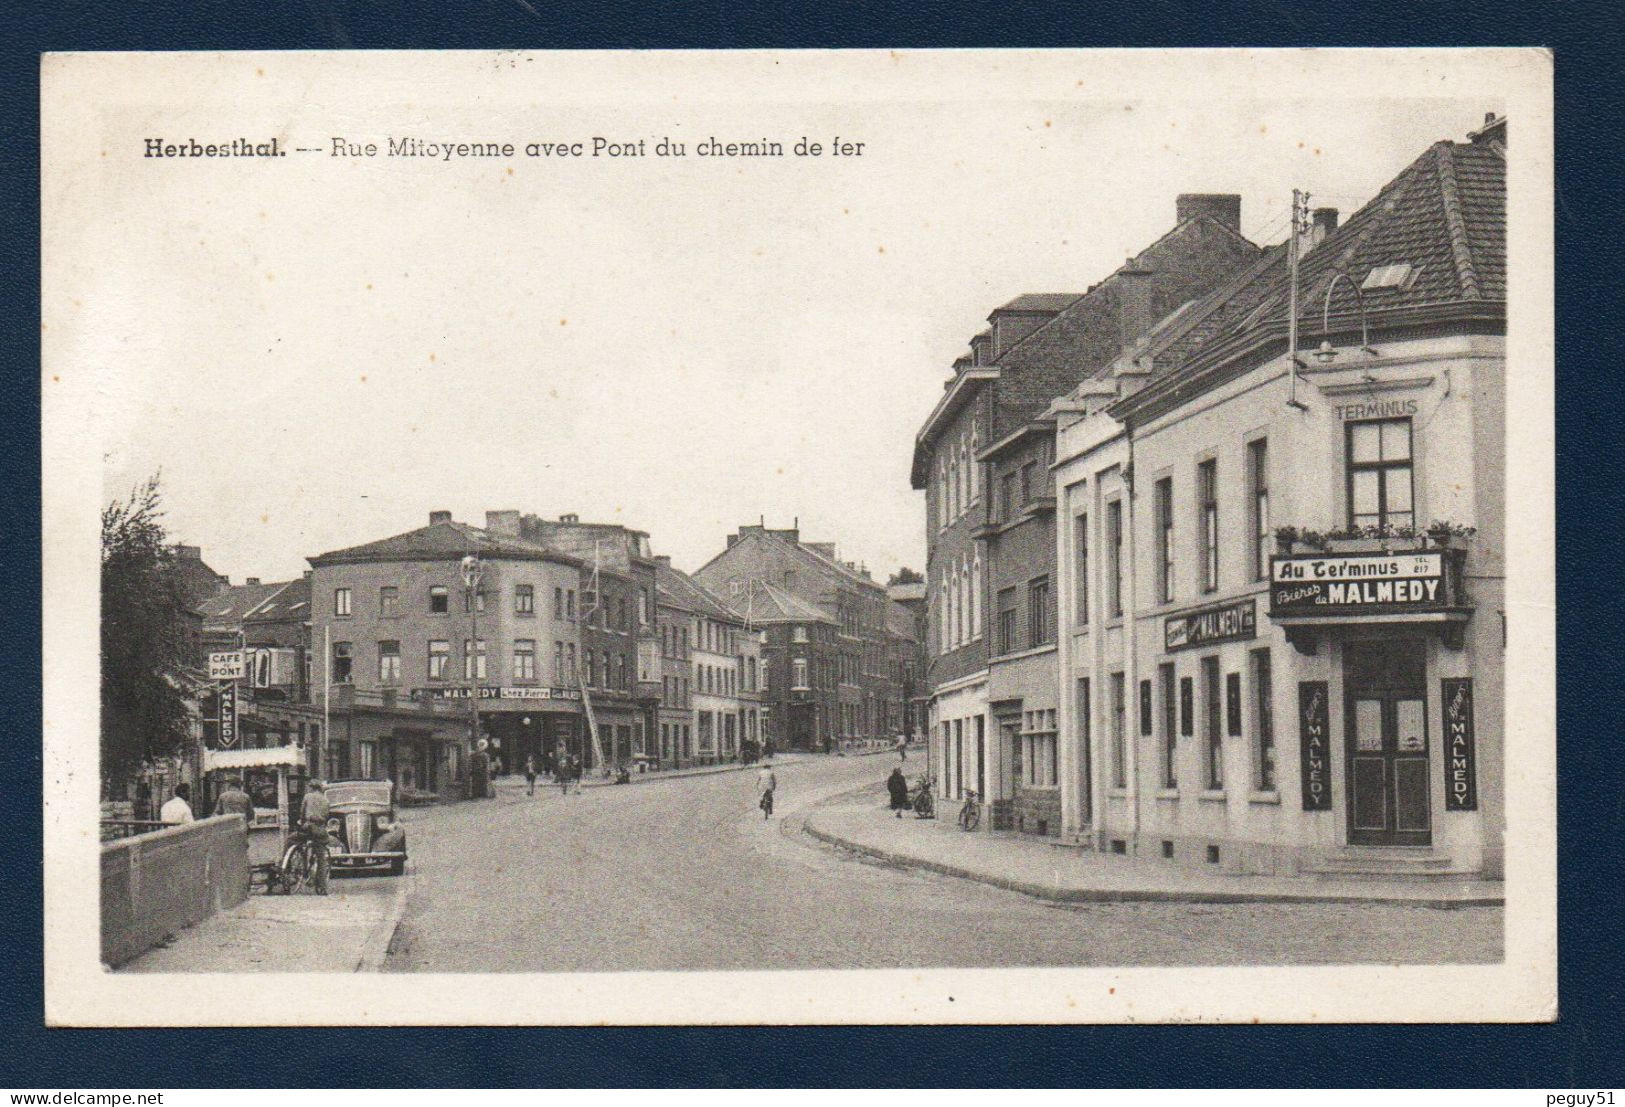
(144, 637)
(905, 575)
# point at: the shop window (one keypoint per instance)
(1379, 473)
(524, 599)
(341, 602)
(1119, 732)
(1258, 476)
(439, 658)
(389, 662)
(1207, 495)
(342, 661)
(1170, 726)
(439, 600)
(1264, 723)
(388, 601)
(524, 659)
(1212, 732)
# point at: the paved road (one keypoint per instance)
(684, 874)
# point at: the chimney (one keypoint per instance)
(1325, 222)
(1221, 207)
(505, 523)
(307, 574)
(189, 553)
(572, 517)
(1135, 315)
(252, 580)
(732, 538)
(436, 517)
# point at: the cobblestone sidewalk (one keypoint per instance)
(861, 822)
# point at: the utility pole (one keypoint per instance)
(472, 571)
(1300, 215)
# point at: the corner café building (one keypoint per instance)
(1332, 705)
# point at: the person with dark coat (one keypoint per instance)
(898, 787)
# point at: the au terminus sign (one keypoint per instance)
(1357, 583)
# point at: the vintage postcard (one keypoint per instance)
(798, 537)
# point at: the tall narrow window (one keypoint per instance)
(388, 601)
(524, 659)
(1165, 539)
(1007, 621)
(389, 662)
(1080, 568)
(1029, 481)
(976, 595)
(524, 599)
(341, 601)
(558, 603)
(439, 658)
(558, 666)
(474, 660)
(1207, 496)
(1213, 732)
(1119, 733)
(1170, 726)
(342, 661)
(1007, 497)
(1263, 723)
(1114, 559)
(1379, 474)
(1038, 620)
(1258, 476)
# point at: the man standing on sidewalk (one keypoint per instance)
(179, 809)
(766, 785)
(235, 801)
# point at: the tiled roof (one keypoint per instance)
(689, 595)
(293, 602)
(1039, 301)
(231, 607)
(1445, 216)
(440, 541)
(764, 602)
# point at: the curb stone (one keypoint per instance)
(1057, 894)
(376, 948)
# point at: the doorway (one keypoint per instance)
(1386, 743)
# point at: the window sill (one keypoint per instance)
(1264, 797)
(1211, 796)
(1167, 794)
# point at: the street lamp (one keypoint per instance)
(472, 572)
(1326, 354)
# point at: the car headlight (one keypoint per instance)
(383, 822)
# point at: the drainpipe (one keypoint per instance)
(1131, 729)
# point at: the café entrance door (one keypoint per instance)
(1387, 743)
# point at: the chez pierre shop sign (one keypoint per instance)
(492, 692)
(1326, 584)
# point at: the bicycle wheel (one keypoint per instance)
(970, 817)
(296, 867)
(320, 866)
(923, 805)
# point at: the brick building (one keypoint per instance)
(416, 662)
(983, 457)
(813, 573)
(800, 665)
(1308, 672)
(722, 670)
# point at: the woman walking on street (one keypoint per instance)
(766, 785)
(898, 787)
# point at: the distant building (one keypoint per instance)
(800, 665)
(843, 591)
(722, 669)
(417, 664)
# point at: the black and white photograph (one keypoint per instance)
(798, 537)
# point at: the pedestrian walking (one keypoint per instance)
(563, 774)
(235, 801)
(530, 773)
(178, 809)
(902, 748)
(766, 784)
(898, 787)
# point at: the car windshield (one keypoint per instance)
(375, 792)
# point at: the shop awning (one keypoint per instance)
(289, 756)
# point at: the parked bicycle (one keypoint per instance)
(924, 805)
(970, 816)
(304, 862)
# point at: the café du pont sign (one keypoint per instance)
(1325, 584)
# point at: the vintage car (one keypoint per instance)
(361, 819)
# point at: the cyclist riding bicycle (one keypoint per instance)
(313, 813)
